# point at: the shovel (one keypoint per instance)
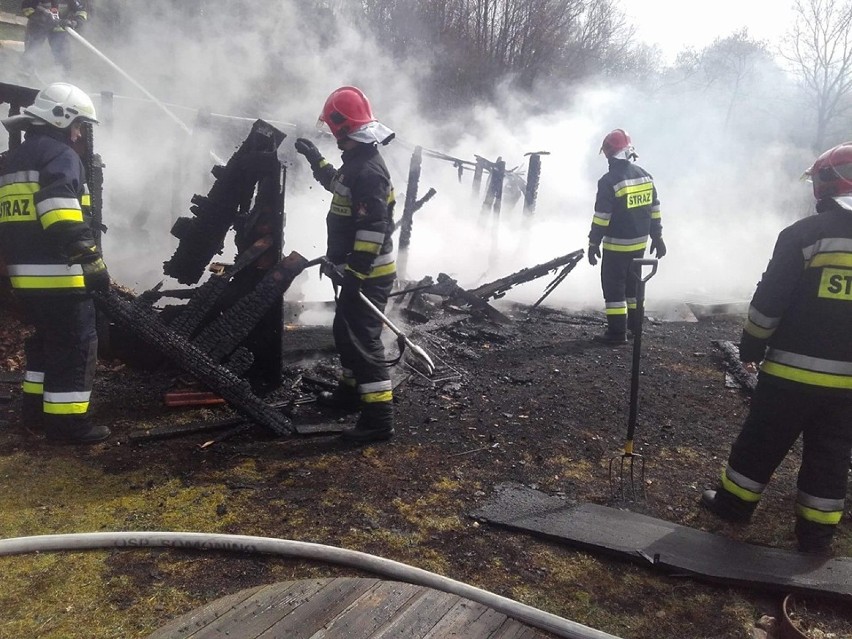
(624, 487)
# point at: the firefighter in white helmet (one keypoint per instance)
(627, 212)
(53, 262)
(798, 327)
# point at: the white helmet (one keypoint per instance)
(60, 104)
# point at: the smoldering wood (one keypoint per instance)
(498, 288)
(734, 366)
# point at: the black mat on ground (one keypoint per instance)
(666, 546)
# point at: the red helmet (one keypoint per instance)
(346, 110)
(616, 141)
(831, 174)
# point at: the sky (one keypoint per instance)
(674, 25)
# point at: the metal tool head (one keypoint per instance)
(624, 471)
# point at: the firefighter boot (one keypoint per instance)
(32, 412)
(616, 331)
(726, 506)
(79, 432)
(814, 538)
(344, 397)
(375, 424)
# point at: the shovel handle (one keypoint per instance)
(638, 263)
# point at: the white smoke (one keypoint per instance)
(726, 175)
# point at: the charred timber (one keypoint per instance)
(207, 296)
(144, 323)
(498, 288)
(448, 287)
(203, 236)
(734, 366)
(221, 337)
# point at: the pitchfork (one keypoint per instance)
(627, 460)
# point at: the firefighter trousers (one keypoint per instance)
(358, 339)
(61, 358)
(619, 289)
(34, 40)
(777, 417)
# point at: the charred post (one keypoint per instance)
(408, 210)
(203, 236)
(533, 181)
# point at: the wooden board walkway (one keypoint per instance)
(345, 607)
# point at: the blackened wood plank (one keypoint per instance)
(668, 546)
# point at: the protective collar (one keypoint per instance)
(845, 201)
(372, 133)
(17, 122)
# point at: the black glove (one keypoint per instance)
(658, 247)
(96, 276)
(594, 254)
(752, 349)
(309, 150)
(350, 289)
(70, 22)
(334, 272)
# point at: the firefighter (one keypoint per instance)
(798, 327)
(46, 20)
(627, 211)
(53, 262)
(360, 248)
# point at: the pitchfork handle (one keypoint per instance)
(636, 271)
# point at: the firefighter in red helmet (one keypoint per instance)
(359, 245)
(798, 327)
(627, 212)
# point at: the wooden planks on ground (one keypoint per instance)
(667, 546)
(345, 608)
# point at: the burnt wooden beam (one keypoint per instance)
(734, 366)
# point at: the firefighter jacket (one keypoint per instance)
(66, 10)
(627, 209)
(45, 234)
(360, 219)
(802, 308)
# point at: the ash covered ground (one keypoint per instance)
(536, 402)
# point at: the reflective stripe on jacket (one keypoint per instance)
(802, 308)
(44, 230)
(627, 208)
(360, 218)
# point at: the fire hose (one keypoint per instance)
(303, 550)
(130, 79)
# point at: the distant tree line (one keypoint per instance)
(474, 45)
(549, 48)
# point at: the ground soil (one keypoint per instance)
(537, 403)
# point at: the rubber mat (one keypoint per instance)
(666, 546)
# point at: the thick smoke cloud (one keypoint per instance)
(727, 175)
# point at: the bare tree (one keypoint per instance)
(733, 64)
(477, 43)
(819, 48)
